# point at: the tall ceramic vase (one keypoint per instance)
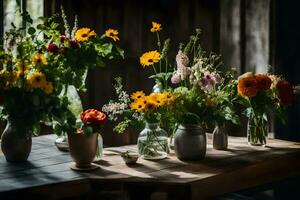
(15, 145)
(190, 142)
(83, 149)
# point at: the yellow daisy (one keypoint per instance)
(112, 33)
(168, 97)
(138, 105)
(137, 95)
(150, 106)
(155, 27)
(48, 88)
(36, 80)
(38, 60)
(157, 99)
(149, 58)
(22, 68)
(84, 34)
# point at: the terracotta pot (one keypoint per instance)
(15, 145)
(83, 149)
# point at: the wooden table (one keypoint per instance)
(47, 174)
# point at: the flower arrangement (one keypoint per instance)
(262, 94)
(157, 59)
(69, 54)
(205, 93)
(92, 121)
(29, 87)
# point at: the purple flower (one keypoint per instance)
(175, 79)
(209, 80)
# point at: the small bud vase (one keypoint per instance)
(220, 138)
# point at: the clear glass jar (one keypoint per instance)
(257, 130)
(99, 153)
(153, 142)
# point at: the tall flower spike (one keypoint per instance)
(75, 27)
(66, 25)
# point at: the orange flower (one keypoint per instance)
(285, 92)
(247, 87)
(263, 81)
(93, 117)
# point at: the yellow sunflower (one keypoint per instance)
(38, 59)
(157, 98)
(155, 27)
(137, 95)
(84, 34)
(113, 34)
(22, 68)
(149, 58)
(138, 105)
(48, 88)
(168, 97)
(36, 80)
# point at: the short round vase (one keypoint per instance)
(83, 149)
(190, 142)
(15, 145)
(153, 142)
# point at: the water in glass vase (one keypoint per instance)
(153, 142)
(257, 131)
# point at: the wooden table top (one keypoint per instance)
(241, 166)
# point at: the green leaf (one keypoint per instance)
(31, 30)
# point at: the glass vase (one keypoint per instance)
(153, 142)
(99, 153)
(257, 130)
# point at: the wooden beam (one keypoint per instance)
(257, 32)
(230, 36)
(1, 21)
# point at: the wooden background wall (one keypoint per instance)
(245, 32)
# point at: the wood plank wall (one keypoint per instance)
(238, 29)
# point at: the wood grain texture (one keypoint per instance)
(48, 168)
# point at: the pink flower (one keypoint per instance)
(182, 60)
(175, 79)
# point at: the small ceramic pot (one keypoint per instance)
(130, 158)
(83, 150)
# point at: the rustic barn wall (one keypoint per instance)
(133, 19)
(243, 31)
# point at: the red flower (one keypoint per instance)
(53, 48)
(263, 81)
(74, 44)
(63, 38)
(285, 92)
(93, 117)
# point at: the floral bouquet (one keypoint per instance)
(86, 142)
(205, 93)
(262, 94)
(69, 54)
